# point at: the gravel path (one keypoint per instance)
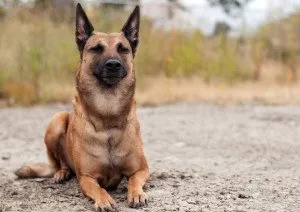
(202, 158)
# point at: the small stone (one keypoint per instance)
(176, 185)
(162, 176)
(6, 156)
(23, 206)
(244, 196)
(14, 193)
(222, 192)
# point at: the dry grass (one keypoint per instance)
(161, 90)
(38, 55)
(38, 61)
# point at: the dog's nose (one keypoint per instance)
(113, 65)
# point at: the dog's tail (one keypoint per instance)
(36, 170)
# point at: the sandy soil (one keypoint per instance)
(202, 158)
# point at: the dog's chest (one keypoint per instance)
(106, 149)
(100, 144)
(108, 157)
(114, 155)
(108, 104)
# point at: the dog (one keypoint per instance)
(99, 140)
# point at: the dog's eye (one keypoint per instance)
(122, 49)
(98, 48)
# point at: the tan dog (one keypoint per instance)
(100, 139)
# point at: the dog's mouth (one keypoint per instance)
(112, 80)
(109, 80)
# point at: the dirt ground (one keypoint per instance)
(202, 158)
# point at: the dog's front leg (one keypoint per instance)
(91, 188)
(136, 196)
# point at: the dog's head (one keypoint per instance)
(106, 59)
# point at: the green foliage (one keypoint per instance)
(43, 3)
(193, 58)
(279, 41)
(230, 66)
(2, 12)
(187, 59)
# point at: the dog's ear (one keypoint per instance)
(84, 28)
(131, 29)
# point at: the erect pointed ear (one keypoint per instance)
(84, 28)
(131, 29)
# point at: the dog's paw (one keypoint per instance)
(137, 200)
(62, 175)
(105, 204)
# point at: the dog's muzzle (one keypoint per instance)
(110, 73)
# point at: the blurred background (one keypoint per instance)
(190, 50)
